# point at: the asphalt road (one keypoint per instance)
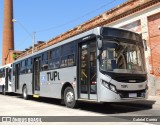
(15, 105)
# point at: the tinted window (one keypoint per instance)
(45, 56)
(68, 53)
(55, 62)
(23, 67)
(29, 65)
(44, 61)
(120, 33)
(29, 61)
(2, 72)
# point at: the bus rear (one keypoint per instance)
(5, 78)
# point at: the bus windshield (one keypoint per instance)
(121, 57)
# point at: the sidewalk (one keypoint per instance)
(152, 102)
(155, 99)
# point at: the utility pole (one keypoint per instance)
(31, 35)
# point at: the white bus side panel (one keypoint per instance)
(52, 81)
(2, 82)
(24, 79)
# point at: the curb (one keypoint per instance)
(151, 103)
(156, 99)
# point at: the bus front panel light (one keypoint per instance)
(109, 86)
(113, 88)
(105, 84)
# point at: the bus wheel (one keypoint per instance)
(25, 95)
(3, 90)
(69, 97)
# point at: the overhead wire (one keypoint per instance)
(71, 21)
(78, 18)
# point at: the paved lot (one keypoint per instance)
(14, 105)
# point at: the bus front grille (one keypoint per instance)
(127, 79)
(126, 94)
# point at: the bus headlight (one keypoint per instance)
(106, 84)
(113, 88)
(109, 86)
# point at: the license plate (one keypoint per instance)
(132, 95)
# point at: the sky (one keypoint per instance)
(50, 18)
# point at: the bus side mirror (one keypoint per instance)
(100, 54)
(99, 42)
(145, 44)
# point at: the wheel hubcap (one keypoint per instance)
(69, 97)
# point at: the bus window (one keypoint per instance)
(23, 67)
(68, 51)
(29, 65)
(44, 61)
(1, 73)
(71, 60)
(56, 58)
(13, 69)
(64, 61)
(9, 74)
(93, 68)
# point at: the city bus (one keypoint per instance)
(5, 78)
(103, 64)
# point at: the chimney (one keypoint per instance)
(8, 34)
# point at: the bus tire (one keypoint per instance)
(25, 94)
(3, 90)
(69, 97)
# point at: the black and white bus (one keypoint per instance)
(103, 64)
(5, 78)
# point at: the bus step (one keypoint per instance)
(88, 100)
(36, 96)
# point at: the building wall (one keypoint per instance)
(147, 22)
(154, 39)
(134, 26)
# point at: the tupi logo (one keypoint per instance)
(52, 76)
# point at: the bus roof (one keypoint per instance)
(82, 35)
(7, 65)
(94, 31)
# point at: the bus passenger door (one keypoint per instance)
(36, 75)
(87, 71)
(17, 73)
(6, 79)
